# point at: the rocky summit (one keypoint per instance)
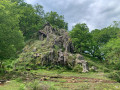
(52, 47)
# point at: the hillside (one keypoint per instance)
(43, 50)
(52, 47)
(49, 61)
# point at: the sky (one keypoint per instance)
(97, 14)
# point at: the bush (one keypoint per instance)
(115, 76)
(117, 66)
(33, 85)
(19, 79)
(36, 85)
(78, 68)
(92, 70)
(106, 70)
(22, 87)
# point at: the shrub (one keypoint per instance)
(78, 68)
(33, 85)
(22, 87)
(36, 85)
(41, 87)
(92, 70)
(106, 70)
(19, 79)
(115, 76)
(117, 66)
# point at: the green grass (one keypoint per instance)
(94, 62)
(68, 83)
(99, 75)
(64, 83)
(12, 85)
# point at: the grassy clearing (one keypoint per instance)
(67, 81)
(73, 80)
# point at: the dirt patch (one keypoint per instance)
(74, 79)
(86, 79)
(1, 84)
(89, 80)
(66, 79)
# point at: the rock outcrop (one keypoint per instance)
(53, 47)
(80, 60)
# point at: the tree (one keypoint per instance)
(11, 38)
(17, 1)
(95, 44)
(39, 10)
(111, 51)
(56, 20)
(101, 37)
(31, 18)
(80, 37)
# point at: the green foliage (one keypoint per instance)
(78, 68)
(94, 45)
(31, 19)
(33, 86)
(116, 66)
(22, 87)
(101, 65)
(115, 76)
(106, 70)
(13, 85)
(11, 38)
(80, 37)
(19, 79)
(100, 38)
(36, 85)
(56, 47)
(56, 20)
(111, 51)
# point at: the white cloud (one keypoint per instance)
(95, 13)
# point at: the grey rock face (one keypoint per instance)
(48, 58)
(80, 57)
(54, 47)
(65, 42)
(60, 57)
(66, 58)
(42, 35)
(59, 41)
(62, 40)
(80, 60)
(93, 68)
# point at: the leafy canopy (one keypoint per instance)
(11, 38)
(56, 20)
(80, 37)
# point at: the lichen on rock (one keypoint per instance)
(53, 47)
